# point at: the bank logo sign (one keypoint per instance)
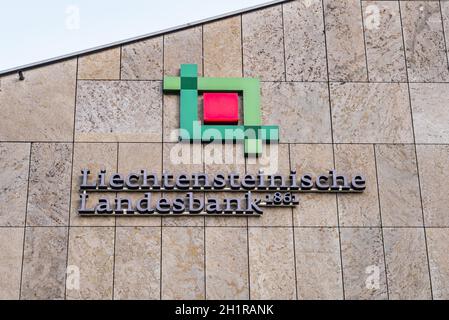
(221, 120)
(245, 194)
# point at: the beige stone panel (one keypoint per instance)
(226, 263)
(407, 269)
(424, 41)
(225, 159)
(430, 116)
(137, 263)
(433, 164)
(363, 263)
(318, 263)
(345, 43)
(384, 43)
(223, 48)
(272, 216)
(143, 60)
(263, 44)
(183, 263)
(182, 158)
(313, 209)
(305, 52)
(133, 157)
(49, 186)
(274, 160)
(271, 263)
(104, 65)
(91, 249)
(44, 263)
(119, 111)
(11, 246)
(371, 113)
(300, 109)
(39, 108)
(444, 5)
(14, 167)
(316, 210)
(356, 210)
(437, 240)
(183, 46)
(95, 157)
(400, 201)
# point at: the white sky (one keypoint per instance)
(35, 30)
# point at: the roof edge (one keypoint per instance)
(138, 38)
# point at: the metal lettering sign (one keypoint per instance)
(253, 192)
(220, 122)
(220, 108)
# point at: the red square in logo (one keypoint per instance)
(222, 108)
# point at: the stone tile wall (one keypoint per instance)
(356, 85)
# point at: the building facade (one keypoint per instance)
(360, 86)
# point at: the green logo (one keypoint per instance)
(221, 121)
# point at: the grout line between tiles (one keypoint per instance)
(229, 226)
(364, 41)
(120, 64)
(280, 143)
(71, 179)
(381, 221)
(333, 146)
(293, 231)
(162, 170)
(416, 154)
(276, 81)
(444, 33)
(204, 170)
(25, 223)
(283, 41)
(115, 229)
